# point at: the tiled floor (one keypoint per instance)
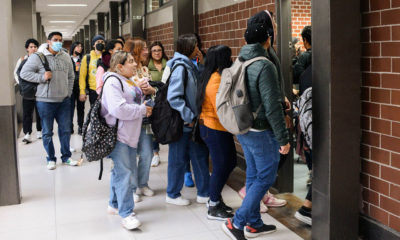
(70, 203)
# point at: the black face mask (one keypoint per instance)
(99, 47)
(77, 53)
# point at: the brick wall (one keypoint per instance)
(380, 148)
(227, 25)
(301, 17)
(165, 34)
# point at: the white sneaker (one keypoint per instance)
(39, 135)
(263, 208)
(177, 201)
(146, 191)
(51, 165)
(27, 138)
(131, 222)
(71, 149)
(155, 161)
(136, 198)
(202, 199)
(71, 162)
(111, 210)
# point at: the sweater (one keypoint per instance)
(208, 108)
(155, 74)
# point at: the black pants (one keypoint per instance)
(92, 96)
(28, 107)
(80, 108)
(309, 193)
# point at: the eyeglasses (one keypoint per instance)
(156, 50)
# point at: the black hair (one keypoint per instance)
(111, 44)
(157, 43)
(199, 44)
(54, 34)
(218, 58)
(306, 34)
(73, 46)
(186, 44)
(122, 38)
(31, 40)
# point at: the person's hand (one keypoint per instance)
(82, 97)
(285, 149)
(47, 76)
(145, 87)
(200, 56)
(288, 106)
(296, 92)
(149, 111)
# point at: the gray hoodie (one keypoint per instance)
(62, 80)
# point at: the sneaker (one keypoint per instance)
(111, 210)
(202, 200)
(146, 191)
(51, 165)
(71, 162)
(27, 138)
(180, 201)
(252, 232)
(304, 215)
(222, 205)
(263, 208)
(131, 222)
(218, 213)
(231, 231)
(189, 180)
(271, 201)
(39, 135)
(242, 192)
(71, 149)
(136, 198)
(155, 161)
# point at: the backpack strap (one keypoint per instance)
(87, 70)
(185, 78)
(44, 61)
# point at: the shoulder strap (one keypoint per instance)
(186, 74)
(122, 86)
(248, 62)
(44, 61)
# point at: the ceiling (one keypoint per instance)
(68, 20)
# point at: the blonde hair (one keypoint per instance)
(119, 57)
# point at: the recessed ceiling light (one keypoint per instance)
(61, 15)
(62, 21)
(67, 5)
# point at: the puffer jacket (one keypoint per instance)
(264, 89)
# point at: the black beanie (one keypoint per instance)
(259, 28)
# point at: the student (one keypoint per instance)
(53, 96)
(268, 136)
(87, 74)
(184, 101)
(76, 56)
(138, 48)
(123, 103)
(218, 140)
(28, 100)
(103, 64)
(157, 64)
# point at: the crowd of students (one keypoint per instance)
(126, 76)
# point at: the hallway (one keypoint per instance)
(70, 203)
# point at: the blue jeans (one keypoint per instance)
(122, 178)
(145, 151)
(261, 151)
(178, 156)
(223, 156)
(156, 147)
(60, 112)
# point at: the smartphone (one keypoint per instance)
(150, 103)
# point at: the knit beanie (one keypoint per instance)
(97, 37)
(259, 28)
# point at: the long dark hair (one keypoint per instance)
(73, 46)
(157, 43)
(218, 58)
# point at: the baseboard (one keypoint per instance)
(373, 230)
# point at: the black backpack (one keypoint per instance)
(166, 122)
(99, 138)
(28, 89)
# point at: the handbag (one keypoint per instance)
(195, 136)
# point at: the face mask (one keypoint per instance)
(56, 46)
(99, 47)
(77, 53)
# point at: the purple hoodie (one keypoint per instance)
(116, 103)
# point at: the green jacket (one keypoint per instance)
(264, 88)
(155, 74)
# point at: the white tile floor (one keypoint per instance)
(70, 203)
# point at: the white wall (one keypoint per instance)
(159, 17)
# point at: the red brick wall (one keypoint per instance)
(227, 25)
(380, 148)
(301, 17)
(165, 34)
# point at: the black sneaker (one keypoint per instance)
(223, 205)
(252, 232)
(231, 231)
(304, 215)
(218, 213)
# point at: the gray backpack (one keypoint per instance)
(233, 104)
(304, 106)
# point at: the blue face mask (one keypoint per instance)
(56, 46)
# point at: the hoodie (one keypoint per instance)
(180, 99)
(63, 75)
